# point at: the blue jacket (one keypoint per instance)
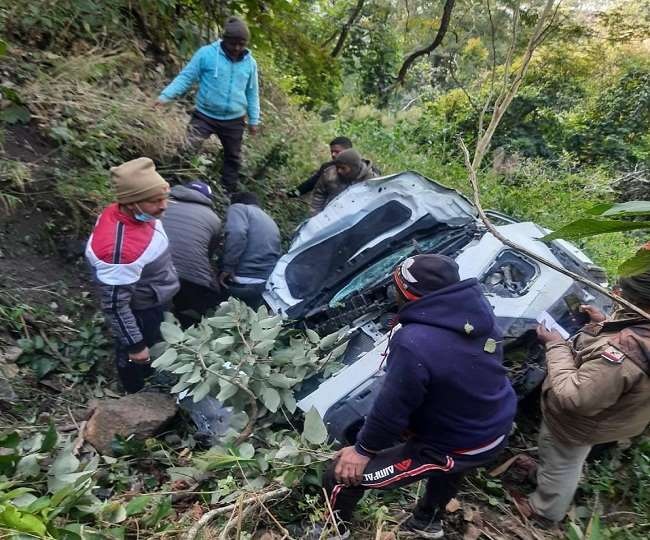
(227, 89)
(443, 385)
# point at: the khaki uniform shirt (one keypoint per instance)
(597, 388)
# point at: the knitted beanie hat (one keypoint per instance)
(137, 180)
(351, 158)
(424, 274)
(235, 28)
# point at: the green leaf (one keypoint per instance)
(49, 442)
(314, 430)
(185, 368)
(13, 519)
(160, 512)
(582, 228)
(3, 47)
(312, 336)
(328, 341)
(28, 467)
(222, 343)
(271, 399)
(171, 333)
(114, 512)
(137, 504)
(201, 391)
(281, 381)
(289, 401)
(246, 450)
(64, 463)
(15, 114)
(165, 360)
(637, 264)
(630, 208)
(264, 347)
(226, 390)
(338, 351)
(594, 530)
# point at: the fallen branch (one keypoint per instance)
(255, 500)
(493, 230)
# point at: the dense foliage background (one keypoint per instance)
(78, 79)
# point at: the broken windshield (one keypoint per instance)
(380, 270)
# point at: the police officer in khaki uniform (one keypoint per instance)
(597, 391)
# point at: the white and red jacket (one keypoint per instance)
(132, 263)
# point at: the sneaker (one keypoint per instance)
(423, 527)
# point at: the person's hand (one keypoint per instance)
(544, 335)
(253, 130)
(141, 357)
(224, 278)
(595, 315)
(350, 466)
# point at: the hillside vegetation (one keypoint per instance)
(78, 80)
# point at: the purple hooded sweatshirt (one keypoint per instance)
(443, 385)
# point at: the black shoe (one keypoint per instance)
(422, 527)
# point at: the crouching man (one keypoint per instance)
(597, 391)
(129, 253)
(446, 405)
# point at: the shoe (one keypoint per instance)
(423, 527)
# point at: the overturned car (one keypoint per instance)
(337, 273)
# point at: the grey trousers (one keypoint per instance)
(558, 475)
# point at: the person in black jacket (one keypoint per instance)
(337, 145)
(445, 390)
(193, 229)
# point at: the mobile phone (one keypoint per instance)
(573, 303)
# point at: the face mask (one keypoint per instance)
(143, 216)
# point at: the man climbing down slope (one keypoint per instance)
(227, 98)
(446, 405)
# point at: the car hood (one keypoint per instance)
(365, 221)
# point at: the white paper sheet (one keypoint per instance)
(551, 324)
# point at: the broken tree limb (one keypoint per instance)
(254, 500)
(493, 230)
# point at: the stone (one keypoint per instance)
(142, 415)
(7, 393)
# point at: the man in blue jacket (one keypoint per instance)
(228, 94)
(446, 405)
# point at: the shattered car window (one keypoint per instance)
(380, 270)
(510, 275)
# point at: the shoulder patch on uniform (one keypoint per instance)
(613, 355)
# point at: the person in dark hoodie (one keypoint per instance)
(446, 405)
(349, 168)
(193, 230)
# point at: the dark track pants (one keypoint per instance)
(230, 133)
(402, 465)
(132, 375)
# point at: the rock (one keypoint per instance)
(7, 393)
(142, 415)
(10, 354)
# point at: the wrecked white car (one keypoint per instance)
(337, 273)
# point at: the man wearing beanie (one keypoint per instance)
(129, 254)
(227, 97)
(194, 231)
(349, 168)
(446, 405)
(597, 390)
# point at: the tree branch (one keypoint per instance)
(442, 30)
(346, 29)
